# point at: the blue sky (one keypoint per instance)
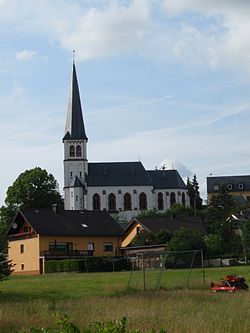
(163, 81)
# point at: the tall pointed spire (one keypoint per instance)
(74, 128)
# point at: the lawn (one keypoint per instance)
(27, 301)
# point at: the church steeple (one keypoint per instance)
(74, 128)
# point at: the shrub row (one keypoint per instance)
(88, 264)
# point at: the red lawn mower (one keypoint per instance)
(231, 283)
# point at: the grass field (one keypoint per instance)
(27, 301)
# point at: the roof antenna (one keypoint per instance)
(73, 56)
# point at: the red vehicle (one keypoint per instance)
(231, 283)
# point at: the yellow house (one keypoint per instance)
(35, 236)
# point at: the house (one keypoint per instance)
(155, 224)
(35, 236)
(116, 187)
(238, 187)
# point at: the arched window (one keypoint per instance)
(96, 202)
(183, 199)
(172, 198)
(112, 202)
(78, 151)
(127, 201)
(72, 151)
(160, 201)
(142, 201)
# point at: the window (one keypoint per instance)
(22, 267)
(60, 246)
(142, 201)
(229, 187)
(138, 230)
(135, 191)
(241, 186)
(91, 246)
(80, 173)
(96, 202)
(183, 199)
(172, 198)
(160, 201)
(127, 201)
(108, 247)
(76, 197)
(216, 187)
(71, 174)
(112, 202)
(78, 151)
(22, 248)
(72, 151)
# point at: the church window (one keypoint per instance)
(143, 201)
(172, 198)
(112, 202)
(183, 199)
(80, 173)
(96, 202)
(160, 201)
(76, 197)
(127, 201)
(71, 174)
(72, 151)
(78, 151)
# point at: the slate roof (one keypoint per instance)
(69, 223)
(166, 179)
(74, 128)
(117, 174)
(155, 224)
(234, 180)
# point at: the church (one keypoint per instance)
(126, 188)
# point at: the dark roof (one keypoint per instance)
(166, 179)
(155, 224)
(74, 128)
(235, 181)
(69, 223)
(117, 174)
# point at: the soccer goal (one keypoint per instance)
(167, 270)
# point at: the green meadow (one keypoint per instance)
(33, 301)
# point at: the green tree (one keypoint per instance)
(33, 188)
(145, 237)
(194, 194)
(186, 239)
(246, 238)
(214, 245)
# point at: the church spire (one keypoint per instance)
(74, 128)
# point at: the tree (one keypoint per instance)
(33, 188)
(186, 239)
(246, 238)
(194, 194)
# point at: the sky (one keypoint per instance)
(166, 82)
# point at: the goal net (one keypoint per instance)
(167, 270)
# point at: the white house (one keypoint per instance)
(112, 186)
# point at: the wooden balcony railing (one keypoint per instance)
(66, 253)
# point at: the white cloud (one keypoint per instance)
(25, 55)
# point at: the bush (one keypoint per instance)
(63, 325)
(88, 264)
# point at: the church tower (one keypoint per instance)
(75, 151)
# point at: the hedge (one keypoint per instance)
(88, 264)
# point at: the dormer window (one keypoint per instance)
(78, 151)
(241, 186)
(229, 187)
(72, 151)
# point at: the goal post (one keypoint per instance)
(148, 269)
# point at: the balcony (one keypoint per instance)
(66, 254)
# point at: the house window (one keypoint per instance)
(216, 187)
(91, 246)
(127, 201)
(138, 230)
(172, 198)
(112, 202)
(22, 248)
(96, 202)
(160, 201)
(72, 151)
(183, 199)
(22, 267)
(108, 247)
(229, 187)
(241, 186)
(78, 151)
(60, 246)
(142, 201)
